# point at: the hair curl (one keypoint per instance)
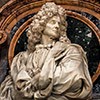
(38, 24)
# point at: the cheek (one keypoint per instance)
(49, 26)
(47, 31)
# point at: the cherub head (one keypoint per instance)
(51, 19)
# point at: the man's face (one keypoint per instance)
(52, 28)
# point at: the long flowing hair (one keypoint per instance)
(38, 24)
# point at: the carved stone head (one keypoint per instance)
(38, 25)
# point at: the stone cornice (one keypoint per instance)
(90, 4)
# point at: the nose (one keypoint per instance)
(57, 25)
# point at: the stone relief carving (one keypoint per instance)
(51, 68)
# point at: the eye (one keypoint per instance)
(53, 22)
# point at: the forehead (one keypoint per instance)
(57, 18)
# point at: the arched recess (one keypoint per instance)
(26, 24)
(21, 10)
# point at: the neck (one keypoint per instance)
(46, 40)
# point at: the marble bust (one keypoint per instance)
(52, 68)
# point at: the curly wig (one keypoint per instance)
(38, 24)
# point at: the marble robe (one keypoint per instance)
(49, 73)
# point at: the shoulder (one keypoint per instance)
(75, 48)
(20, 57)
(22, 54)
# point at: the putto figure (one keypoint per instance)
(52, 68)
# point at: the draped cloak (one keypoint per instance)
(49, 73)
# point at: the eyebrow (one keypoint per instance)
(56, 19)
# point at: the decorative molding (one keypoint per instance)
(97, 74)
(91, 4)
(3, 37)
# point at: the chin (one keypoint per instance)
(54, 37)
